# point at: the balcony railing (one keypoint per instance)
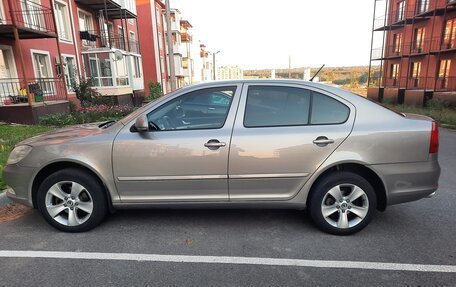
(433, 45)
(29, 15)
(446, 84)
(13, 90)
(94, 39)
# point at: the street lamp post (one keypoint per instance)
(214, 66)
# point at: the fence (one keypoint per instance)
(13, 91)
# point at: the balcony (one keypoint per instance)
(13, 91)
(115, 9)
(32, 20)
(93, 40)
(428, 46)
(436, 7)
(441, 84)
(186, 37)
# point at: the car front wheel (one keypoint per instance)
(72, 200)
(342, 203)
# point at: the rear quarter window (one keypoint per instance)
(326, 110)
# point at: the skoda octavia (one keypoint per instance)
(244, 144)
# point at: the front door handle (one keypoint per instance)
(323, 141)
(214, 144)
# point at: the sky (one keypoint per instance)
(256, 34)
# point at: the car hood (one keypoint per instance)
(66, 134)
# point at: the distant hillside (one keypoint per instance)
(353, 76)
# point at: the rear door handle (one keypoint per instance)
(323, 141)
(214, 144)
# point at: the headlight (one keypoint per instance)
(19, 153)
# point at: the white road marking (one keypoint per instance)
(229, 260)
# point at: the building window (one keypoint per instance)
(43, 72)
(397, 43)
(69, 69)
(85, 24)
(2, 14)
(444, 73)
(121, 34)
(400, 11)
(415, 70)
(99, 68)
(31, 18)
(423, 6)
(450, 34)
(418, 40)
(158, 15)
(85, 21)
(160, 41)
(133, 43)
(63, 21)
(137, 66)
(6, 63)
(394, 70)
(122, 72)
(162, 65)
(444, 70)
(42, 65)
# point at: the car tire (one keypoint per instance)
(342, 203)
(72, 200)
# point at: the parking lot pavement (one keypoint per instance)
(420, 233)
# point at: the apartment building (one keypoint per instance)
(207, 66)
(187, 51)
(151, 23)
(413, 51)
(229, 73)
(46, 45)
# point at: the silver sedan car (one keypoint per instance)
(242, 144)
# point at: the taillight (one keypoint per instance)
(434, 147)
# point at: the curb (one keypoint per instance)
(4, 200)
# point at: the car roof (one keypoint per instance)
(328, 88)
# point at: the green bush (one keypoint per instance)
(155, 91)
(58, 120)
(85, 93)
(84, 115)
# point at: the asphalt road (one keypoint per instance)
(421, 232)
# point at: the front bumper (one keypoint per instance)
(406, 182)
(19, 180)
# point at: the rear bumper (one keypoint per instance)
(406, 182)
(18, 179)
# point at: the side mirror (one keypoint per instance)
(142, 124)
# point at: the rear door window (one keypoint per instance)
(277, 106)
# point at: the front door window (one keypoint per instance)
(203, 109)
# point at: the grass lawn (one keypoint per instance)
(9, 136)
(444, 116)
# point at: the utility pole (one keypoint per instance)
(214, 77)
(169, 40)
(289, 67)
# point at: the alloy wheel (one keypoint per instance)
(345, 206)
(69, 203)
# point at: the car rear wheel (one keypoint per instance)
(342, 203)
(72, 200)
